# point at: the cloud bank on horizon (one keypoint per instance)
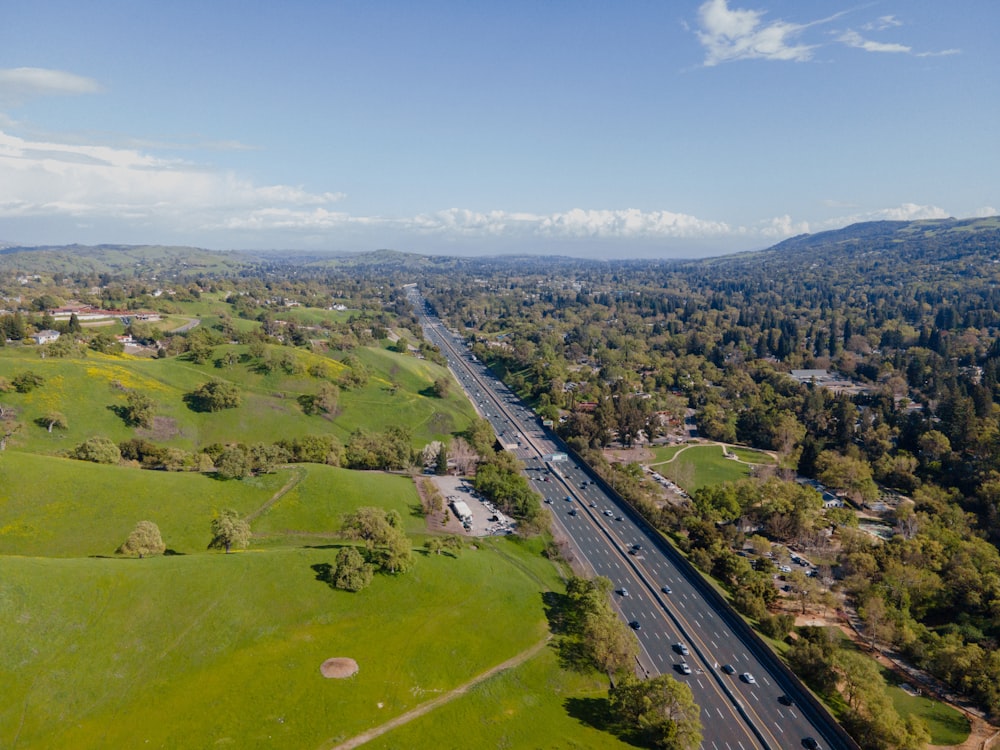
(87, 182)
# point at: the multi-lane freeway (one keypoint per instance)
(747, 699)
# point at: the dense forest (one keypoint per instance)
(905, 314)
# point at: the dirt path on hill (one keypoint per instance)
(425, 708)
(298, 475)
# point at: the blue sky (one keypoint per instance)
(603, 129)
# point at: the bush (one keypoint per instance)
(100, 450)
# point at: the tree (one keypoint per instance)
(351, 572)
(144, 540)
(100, 450)
(229, 530)
(383, 536)
(441, 464)
(215, 395)
(138, 409)
(27, 381)
(442, 386)
(233, 463)
(660, 712)
(105, 343)
(53, 420)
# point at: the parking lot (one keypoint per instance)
(485, 519)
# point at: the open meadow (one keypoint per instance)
(200, 648)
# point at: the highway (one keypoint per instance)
(747, 700)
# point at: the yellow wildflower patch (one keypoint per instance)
(127, 377)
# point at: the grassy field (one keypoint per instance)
(87, 390)
(204, 649)
(535, 705)
(752, 456)
(947, 725)
(663, 453)
(214, 649)
(86, 509)
(701, 465)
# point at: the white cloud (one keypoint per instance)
(40, 178)
(729, 35)
(20, 84)
(882, 23)
(985, 211)
(903, 212)
(854, 39)
(781, 227)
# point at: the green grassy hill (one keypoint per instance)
(212, 649)
(86, 390)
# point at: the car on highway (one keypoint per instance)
(635, 625)
(623, 591)
(681, 649)
(786, 700)
(748, 678)
(569, 499)
(667, 590)
(811, 744)
(729, 669)
(683, 668)
(620, 518)
(608, 513)
(573, 512)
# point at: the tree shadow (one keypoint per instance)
(324, 573)
(596, 713)
(195, 403)
(572, 652)
(122, 413)
(556, 611)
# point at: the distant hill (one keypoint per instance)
(940, 239)
(145, 261)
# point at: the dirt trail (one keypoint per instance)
(425, 708)
(298, 475)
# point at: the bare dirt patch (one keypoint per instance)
(338, 668)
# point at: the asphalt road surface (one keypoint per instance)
(745, 702)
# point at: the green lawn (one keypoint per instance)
(663, 453)
(947, 725)
(701, 465)
(752, 456)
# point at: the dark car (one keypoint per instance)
(635, 625)
(729, 669)
(810, 743)
(785, 700)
